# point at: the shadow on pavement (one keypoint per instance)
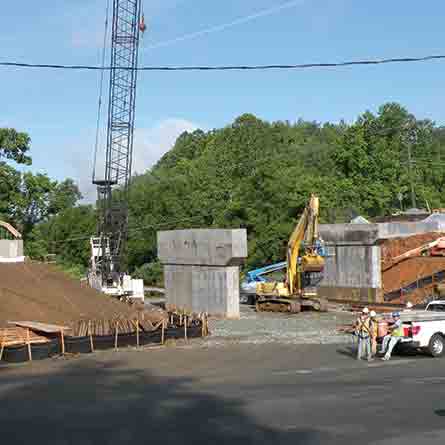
(349, 351)
(97, 402)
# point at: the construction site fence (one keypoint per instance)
(89, 344)
(418, 284)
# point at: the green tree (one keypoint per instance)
(259, 175)
(14, 146)
(66, 235)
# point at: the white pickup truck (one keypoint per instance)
(424, 329)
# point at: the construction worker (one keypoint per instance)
(374, 324)
(363, 332)
(391, 339)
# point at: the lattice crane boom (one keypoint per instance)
(109, 247)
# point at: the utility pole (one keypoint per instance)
(411, 138)
(410, 169)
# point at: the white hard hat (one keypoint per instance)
(365, 310)
(373, 313)
(409, 304)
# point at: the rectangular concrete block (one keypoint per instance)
(11, 249)
(369, 234)
(353, 262)
(358, 294)
(349, 234)
(198, 289)
(206, 247)
(352, 266)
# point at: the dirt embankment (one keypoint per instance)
(410, 270)
(396, 246)
(39, 292)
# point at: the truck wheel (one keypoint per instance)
(436, 346)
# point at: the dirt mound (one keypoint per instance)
(396, 246)
(411, 270)
(39, 292)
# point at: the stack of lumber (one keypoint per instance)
(83, 328)
(19, 336)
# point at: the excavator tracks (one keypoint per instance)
(278, 305)
(291, 306)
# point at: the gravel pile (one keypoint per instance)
(260, 328)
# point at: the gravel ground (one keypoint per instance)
(267, 327)
(259, 328)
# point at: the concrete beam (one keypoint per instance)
(370, 234)
(203, 247)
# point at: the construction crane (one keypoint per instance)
(107, 271)
(304, 267)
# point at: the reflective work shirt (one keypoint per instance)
(397, 330)
(363, 327)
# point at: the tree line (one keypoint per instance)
(252, 174)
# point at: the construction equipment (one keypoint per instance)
(108, 247)
(257, 275)
(304, 267)
(252, 277)
(433, 248)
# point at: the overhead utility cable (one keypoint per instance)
(231, 67)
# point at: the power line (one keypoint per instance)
(135, 229)
(229, 67)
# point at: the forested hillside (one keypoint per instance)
(259, 175)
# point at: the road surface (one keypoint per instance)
(242, 394)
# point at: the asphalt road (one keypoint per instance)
(242, 394)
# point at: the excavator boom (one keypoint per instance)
(304, 258)
(305, 232)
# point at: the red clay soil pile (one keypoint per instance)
(396, 246)
(40, 292)
(410, 270)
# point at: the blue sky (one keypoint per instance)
(58, 109)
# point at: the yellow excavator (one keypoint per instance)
(304, 267)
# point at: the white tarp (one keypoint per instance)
(359, 220)
(438, 219)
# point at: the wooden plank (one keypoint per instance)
(62, 339)
(116, 333)
(2, 347)
(29, 345)
(137, 333)
(17, 336)
(91, 336)
(40, 327)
